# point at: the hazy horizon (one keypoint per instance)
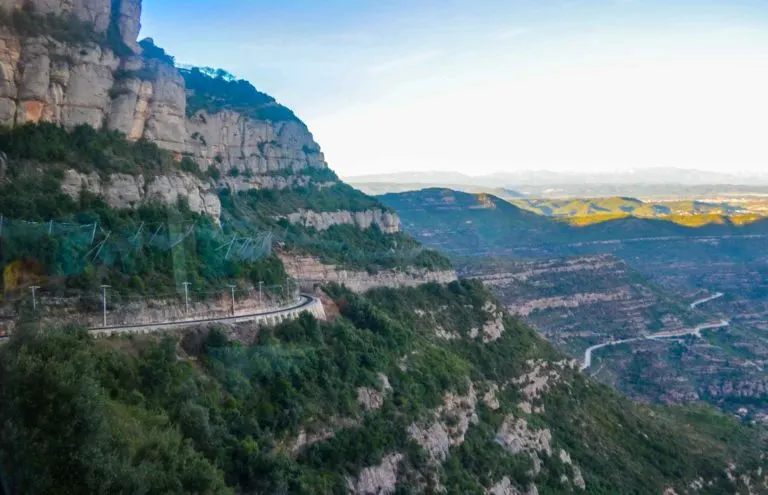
(484, 86)
(607, 173)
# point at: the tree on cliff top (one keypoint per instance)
(214, 90)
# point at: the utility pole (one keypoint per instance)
(34, 301)
(261, 285)
(232, 288)
(186, 295)
(104, 303)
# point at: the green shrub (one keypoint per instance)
(213, 173)
(216, 90)
(190, 166)
(85, 149)
(152, 51)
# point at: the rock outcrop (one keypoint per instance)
(448, 426)
(542, 377)
(43, 79)
(506, 487)
(230, 140)
(372, 399)
(310, 271)
(128, 191)
(516, 436)
(98, 13)
(493, 327)
(377, 480)
(387, 221)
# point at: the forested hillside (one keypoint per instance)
(408, 390)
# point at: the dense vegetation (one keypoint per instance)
(338, 197)
(206, 414)
(345, 245)
(140, 264)
(139, 251)
(131, 258)
(216, 90)
(83, 149)
(150, 50)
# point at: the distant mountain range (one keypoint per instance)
(659, 182)
(380, 188)
(654, 175)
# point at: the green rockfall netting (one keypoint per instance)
(67, 249)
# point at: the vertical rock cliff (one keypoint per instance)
(75, 62)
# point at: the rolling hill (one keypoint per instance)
(480, 224)
(596, 210)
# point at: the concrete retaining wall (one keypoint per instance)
(310, 304)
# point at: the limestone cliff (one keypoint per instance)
(96, 73)
(70, 80)
(310, 271)
(128, 191)
(78, 62)
(231, 141)
(101, 14)
(387, 221)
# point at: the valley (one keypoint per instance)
(615, 285)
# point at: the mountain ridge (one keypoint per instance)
(648, 175)
(454, 220)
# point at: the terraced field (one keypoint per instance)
(581, 301)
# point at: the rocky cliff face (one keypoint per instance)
(387, 221)
(230, 140)
(42, 78)
(311, 271)
(99, 13)
(128, 191)
(86, 82)
(83, 65)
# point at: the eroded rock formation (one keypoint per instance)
(377, 480)
(310, 270)
(386, 221)
(128, 191)
(43, 79)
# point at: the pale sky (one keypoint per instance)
(481, 86)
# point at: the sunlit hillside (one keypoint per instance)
(689, 213)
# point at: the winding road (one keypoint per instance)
(662, 335)
(305, 302)
(706, 299)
